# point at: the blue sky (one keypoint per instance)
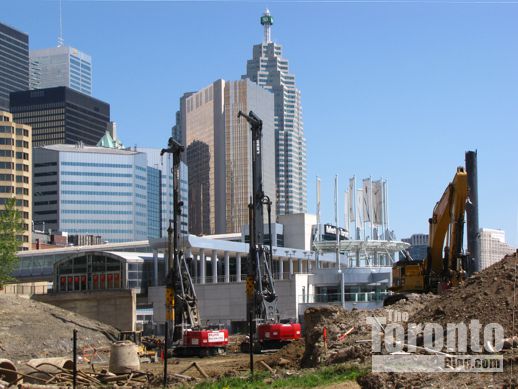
(398, 90)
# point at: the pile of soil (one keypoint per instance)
(486, 296)
(31, 329)
(288, 357)
(490, 296)
(337, 322)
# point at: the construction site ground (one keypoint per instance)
(29, 329)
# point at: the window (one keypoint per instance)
(23, 191)
(6, 189)
(45, 164)
(92, 164)
(6, 177)
(22, 167)
(6, 153)
(23, 179)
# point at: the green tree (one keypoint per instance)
(11, 225)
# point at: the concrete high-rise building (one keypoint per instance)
(218, 153)
(61, 66)
(14, 63)
(61, 116)
(16, 171)
(91, 190)
(492, 247)
(270, 70)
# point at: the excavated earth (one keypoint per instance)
(490, 296)
(31, 329)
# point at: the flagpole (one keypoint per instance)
(371, 209)
(319, 231)
(336, 224)
(353, 196)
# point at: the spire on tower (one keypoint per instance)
(267, 21)
(60, 37)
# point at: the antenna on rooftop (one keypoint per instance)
(60, 37)
(267, 21)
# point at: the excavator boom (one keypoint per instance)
(445, 263)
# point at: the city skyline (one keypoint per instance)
(399, 97)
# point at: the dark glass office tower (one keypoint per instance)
(14, 63)
(61, 116)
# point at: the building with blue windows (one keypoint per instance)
(160, 193)
(91, 190)
(61, 66)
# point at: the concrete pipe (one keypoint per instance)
(52, 364)
(8, 372)
(124, 357)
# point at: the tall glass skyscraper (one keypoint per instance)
(14, 63)
(270, 70)
(61, 66)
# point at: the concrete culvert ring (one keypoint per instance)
(7, 376)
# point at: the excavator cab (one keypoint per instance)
(133, 336)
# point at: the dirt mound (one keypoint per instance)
(30, 329)
(486, 296)
(289, 356)
(347, 331)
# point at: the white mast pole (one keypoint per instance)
(336, 224)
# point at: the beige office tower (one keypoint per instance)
(16, 170)
(218, 153)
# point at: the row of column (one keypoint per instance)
(200, 266)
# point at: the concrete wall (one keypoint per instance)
(297, 230)
(115, 307)
(26, 289)
(226, 302)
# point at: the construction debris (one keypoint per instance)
(198, 367)
(490, 296)
(48, 375)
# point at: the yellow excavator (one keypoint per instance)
(445, 262)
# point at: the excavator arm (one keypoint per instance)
(444, 265)
(444, 261)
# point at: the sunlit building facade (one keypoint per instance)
(16, 171)
(218, 153)
(61, 66)
(269, 69)
(91, 190)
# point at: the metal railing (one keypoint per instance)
(234, 278)
(348, 297)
